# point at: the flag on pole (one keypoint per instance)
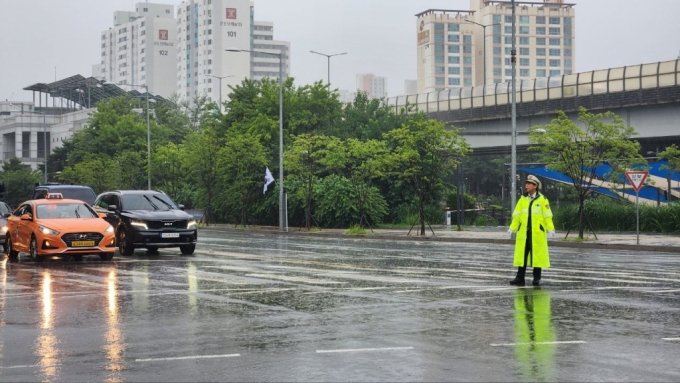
(268, 178)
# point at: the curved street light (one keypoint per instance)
(329, 62)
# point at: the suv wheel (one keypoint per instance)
(187, 249)
(9, 249)
(125, 245)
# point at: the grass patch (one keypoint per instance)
(356, 230)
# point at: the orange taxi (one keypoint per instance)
(58, 226)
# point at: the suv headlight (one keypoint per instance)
(47, 230)
(109, 230)
(191, 225)
(139, 223)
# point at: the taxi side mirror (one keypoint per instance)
(102, 215)
(26, 217)
(7, 215)
(112, 208)
(180, 206)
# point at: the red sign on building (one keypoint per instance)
(231, 13)
(162, 34)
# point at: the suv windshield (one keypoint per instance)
(150, 201)
(64, 210)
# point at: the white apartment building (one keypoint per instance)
(140, 49)
(453, 52)
(373, 86)
(206, 29)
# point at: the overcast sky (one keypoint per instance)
(379, 36)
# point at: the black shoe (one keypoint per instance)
(536, 282)
(517, 282)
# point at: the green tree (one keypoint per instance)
(305, 159)
(19, 181)
(578, 150)
(204, 162)
(367, 119)
(100, 173)
(424, 152)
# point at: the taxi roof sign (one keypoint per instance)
(54, 196)
(637, 179)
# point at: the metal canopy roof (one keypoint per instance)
(87, 91)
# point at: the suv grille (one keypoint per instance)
(157, 225)
(70, 237)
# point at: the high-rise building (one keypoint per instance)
(140, 49)
(465, 48)
(206, 29)
(373, 86)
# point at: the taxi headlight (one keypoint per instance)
(138, 223)
(4, 229)
(109, 230)
(47, 230)
(191, 225)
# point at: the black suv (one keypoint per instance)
(147, 219)
(83, 193)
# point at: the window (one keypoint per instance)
(497, 19)
(467, 48)
(454, 48)
(508, 40)
(145, 9)
(439, 80)
(540, 30)
(555, 72)
(524, 51)
(496, 71)
(496, 50)
(567, 52)
(554, 63)
(467, 39)
(540, 51)
(467, 60)
(454, 38)
(524, 19)
(496, 30)
(554, 52)
(524, 62)
(554, 31)
(524, 72)
(567, 21)
(454, 70)
(496, 39)
(508, 72)
(567, 42)
(142, 51)
(439, 70)
(454, 28)
(454, 60)
(540, 62)
(523, 41)
(540, 40)
(454, 81)
(508, 51)
(438, 38)
(540, 19)
(142, 69)
(508, 19)
(439, 48)
(524, 30)
(439, 59)
(508, 61)
(555, 41)
(554, 21)
(496, 61)
(508, 29)
(467, 82)
(540, 72)
(567, 30)
(567, 63)
(439, 27)
(467, 71)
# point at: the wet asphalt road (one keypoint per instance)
(277, 308)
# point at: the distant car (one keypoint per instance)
(5, 211)
(147, 219)
(58, 226)
(81, 192)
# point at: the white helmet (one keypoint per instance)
(534, 180)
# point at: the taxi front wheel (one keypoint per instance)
(34, 250)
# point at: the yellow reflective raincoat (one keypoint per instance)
(541, 225)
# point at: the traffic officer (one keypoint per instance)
(532, 221)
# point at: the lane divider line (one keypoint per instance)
(25, 366)
(363, 350)
(537, 343)
(671, 339)
(189, 357)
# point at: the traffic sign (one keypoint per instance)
(637, 179)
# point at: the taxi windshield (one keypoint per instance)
(64, 210)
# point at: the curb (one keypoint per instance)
(572, 245)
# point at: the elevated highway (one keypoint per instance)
(646, 96)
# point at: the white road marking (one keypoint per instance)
(364, 350)
(189, 357)
(528, 343)
(24, 366)
(671, 339)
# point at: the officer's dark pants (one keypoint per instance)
(528, 255)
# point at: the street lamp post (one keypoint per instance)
(329, 62)
(484, 31)
(282, 216)
(209, 75)
(148, 133)
(513, 166)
